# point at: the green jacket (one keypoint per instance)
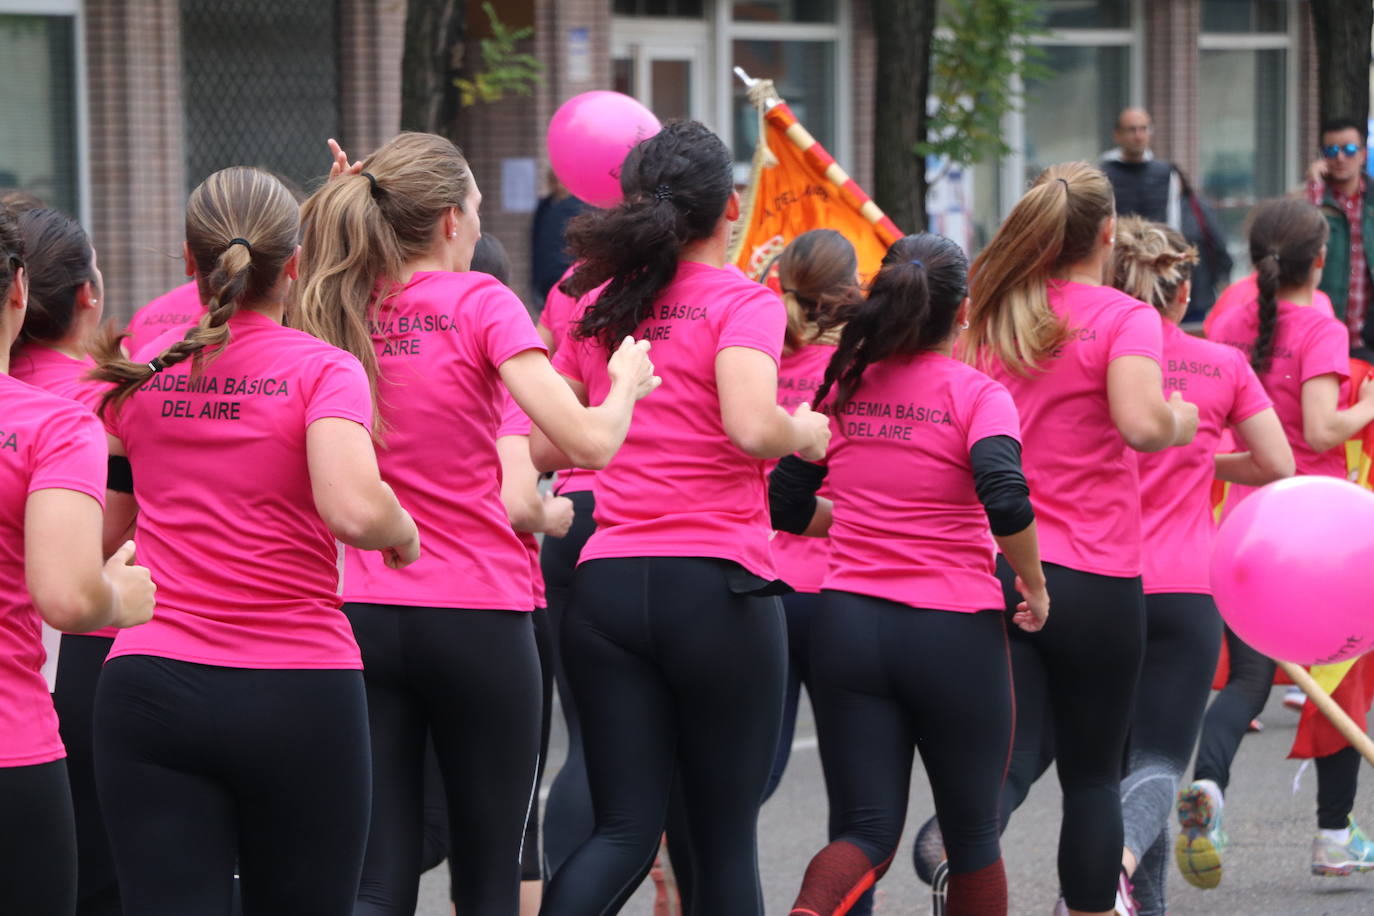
(1336, 275)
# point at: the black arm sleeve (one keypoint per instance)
(1001, 485)
(792, 493)
(119, 475)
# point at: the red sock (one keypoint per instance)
(978, 893)
(836, 878)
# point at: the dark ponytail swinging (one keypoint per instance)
(60, 260)
(1286, 236)
(910, 308)
(242, 227)
(676, 186)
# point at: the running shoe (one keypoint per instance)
(1255, 726)
(928, 851)
(1336, 860)
(1294, 698)
(939, 887)
(1125, 903)
(1201, 839)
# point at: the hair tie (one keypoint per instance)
(372, 180)
(239, 241)
(1065, 183)
(155, 364)
(663, 192)
(916, 262)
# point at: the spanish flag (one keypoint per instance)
(797, 186)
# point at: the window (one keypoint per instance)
(686, 9)
(39, 123)
(261, 85)
(785, 10)
(803, 73)
(1246, 84)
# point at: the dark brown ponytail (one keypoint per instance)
(1286, 236)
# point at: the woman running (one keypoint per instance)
(909, 647)
(1153, 263)
(448, 645)
(52, 488)
(1302, 358)
(65, 294)
(675, 655)
(233, 728)
(1082, 362)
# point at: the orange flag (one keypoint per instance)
(797, 186)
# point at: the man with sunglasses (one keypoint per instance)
(1336, 183)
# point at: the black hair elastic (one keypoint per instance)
(238, 241)
(1065, 183)
(372, 180)
(663, 192)
(156, 364)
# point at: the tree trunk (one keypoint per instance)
(435, 30)
(904, 31)
(1342, 29)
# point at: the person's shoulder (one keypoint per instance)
(37, 406)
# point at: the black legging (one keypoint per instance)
(671, 671)
(37, 841)
(1183, 637)
(200, 767)
(568, 820)
(800, 610)
(1247, 689)
(471, 679)
(78, 671)
(1075, 684)
(889, 680)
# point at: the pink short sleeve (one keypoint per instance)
(504, 327)
(341, 391)
(1250, 396)
(1325, 352)
(567, 359)
(1137, 333)
(513, 419)
(757, 320)
(70, 454)
(994, 414)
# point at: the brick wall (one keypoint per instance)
(864, 50)
(1171, 80)
(371, 41)
(135, 155)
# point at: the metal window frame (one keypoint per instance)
(74, 9)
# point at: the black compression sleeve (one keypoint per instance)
(792, 493)
(1001, 485)
(119, 475)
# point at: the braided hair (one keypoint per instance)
(1286, 236)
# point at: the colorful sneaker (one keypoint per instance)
(1125, 903)
(928, 851)
(1294, 698)
(1333, 859)
(1201, 839)
(1255, 726)
(939, 887)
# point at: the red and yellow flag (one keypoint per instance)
(797, 186)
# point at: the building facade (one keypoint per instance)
(114, 109)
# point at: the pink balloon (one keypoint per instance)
(590, 135)
(1290, 570)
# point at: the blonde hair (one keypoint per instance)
(1150, 261)
(1054, 225)
(242, 226)
(361, 229)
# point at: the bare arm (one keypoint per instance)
(1270, 457)
(1324, 424)
(1148, 423)
(357, 506)
(72, 589)
(747, 380)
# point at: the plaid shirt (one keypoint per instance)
(1357, 301)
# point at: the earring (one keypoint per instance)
(964, 326)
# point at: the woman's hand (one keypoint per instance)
(815, 431)
(1031, 613)
(630, 365)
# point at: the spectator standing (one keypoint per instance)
(1336, 183)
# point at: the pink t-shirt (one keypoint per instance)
(514, 422)
(46, 442)
(1083, 482)
(171, 310)
(1307, 344)
(49, 369)
(801, 562)
(247, 573)
(1245, 291)
(439, 343)
(908, 523)
(559, 310)
(1176, 483)
(678, 487)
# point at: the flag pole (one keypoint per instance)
(1348, 727)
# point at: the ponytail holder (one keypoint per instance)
(916, 262)
(372, 180)
(238, 241)
(155, 365)
(1065, 183)
(663, 192)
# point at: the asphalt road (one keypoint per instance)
(1266, 866)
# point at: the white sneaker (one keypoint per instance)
(1294, 698)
